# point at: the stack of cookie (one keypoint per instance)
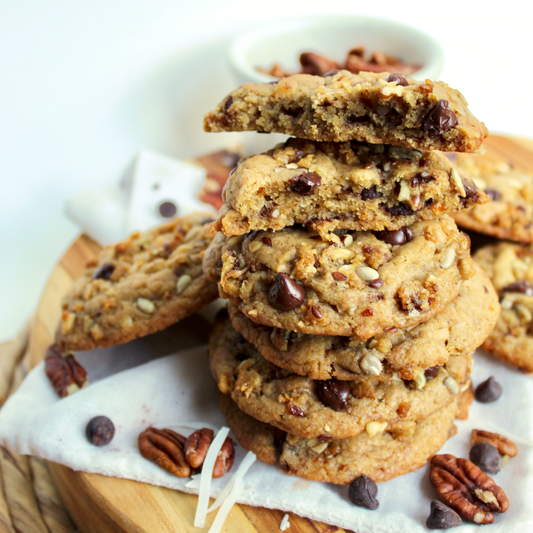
(354, 304)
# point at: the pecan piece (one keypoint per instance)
(501, 443)
(225, 458)
(467, 489)
(164, 447)
(196, 446)
(65, 373)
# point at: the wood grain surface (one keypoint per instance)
(34, 494)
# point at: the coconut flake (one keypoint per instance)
(246, 463)
(216, 527)
(187, 425)
(284, 523)
(207, 476)
(511, 436)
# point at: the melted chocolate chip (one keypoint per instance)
(521, 286)
(265, 211)
(493, 194)
(168, 209)
(440, 119)
(421, 180)
(100, 431)
(398, 78)
(371, 194)
(442, 517)
(285, 294)
(266, 241)
(488, 391)
(305, 184)
(432, 372)
(104, 271)
(333, 393)
(363, 491)
(399, 210)
(486, 456)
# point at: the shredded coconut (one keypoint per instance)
(207, 476)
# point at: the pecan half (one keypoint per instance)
(225, 458)
(65, 373)
(467, 489)
(501, 443)
(164, 447)
(196, 446)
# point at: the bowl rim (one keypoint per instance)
(240, 44)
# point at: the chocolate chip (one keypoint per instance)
(521, 286)
(398, 78)
(376, 283)
(333, 393)
(371, 194)
(317, 313)
(100, 431)
(227, 103)
(305, 184)
(363, 491)
(399, 236)
(168, 209)
(432, 372)
(392, 237)
(339, 276)
(440, 119)
(442, 517)
(331, 72)
(409, 235)
(493, 194)
(486, 456)
(285, 294)
(104, 271)
(266, 241)
(488, 391)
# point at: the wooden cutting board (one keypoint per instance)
(100, 504)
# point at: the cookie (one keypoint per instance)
(293, 279)
(509, 215)
(354, 186)
(510, 267)
(139, 286)
(378, 108)
(461, 327)
(386, 455)
(312, 408)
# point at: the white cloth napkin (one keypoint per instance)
(111, 214)
(136, 390)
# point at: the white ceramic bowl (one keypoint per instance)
(333, 36)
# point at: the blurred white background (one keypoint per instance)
(85, 84)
